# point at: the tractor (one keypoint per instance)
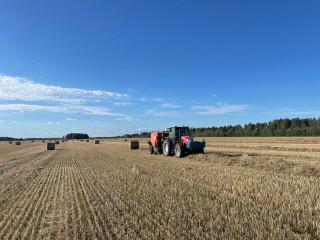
(176, 140)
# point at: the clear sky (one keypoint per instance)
(113, 67)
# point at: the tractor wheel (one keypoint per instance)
(178, 150)
(151, 149)
(166, 147)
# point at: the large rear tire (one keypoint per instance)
(166, 147)
(178, 150)
(151, 149)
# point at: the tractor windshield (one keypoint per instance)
(184, 132)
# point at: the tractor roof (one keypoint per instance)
(178, 127)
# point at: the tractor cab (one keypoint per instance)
(175, 133)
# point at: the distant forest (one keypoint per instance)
(275, 128)
(6, 139)
(77, 136)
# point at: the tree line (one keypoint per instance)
(76, 136)
(7, 139)
(276, 128)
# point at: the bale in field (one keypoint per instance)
(18, 143)
(57, 142)
(96, 141)
(87, 140)
(125, 140)
(134, 145)
(51, 146)
(43, 140)
(10, 142)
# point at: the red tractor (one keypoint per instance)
(176, 140)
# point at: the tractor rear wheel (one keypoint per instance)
(151, 149)
(166, 147)
(178, 150)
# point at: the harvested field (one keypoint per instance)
(241, 188)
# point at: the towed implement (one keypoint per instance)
(175, 141)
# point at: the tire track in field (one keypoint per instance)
(78, 225)
(52, 217)
(60, 202)
(67, 202)
(74, 232)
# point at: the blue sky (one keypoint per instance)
(108, 68)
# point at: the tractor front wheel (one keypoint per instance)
(151, 149)
(178, 150)
(166, 147)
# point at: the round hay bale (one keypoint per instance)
(17, 143)
(57, 142)
(96, 141)
(87, 140)
(51, 146)
(134, 145)
(43, 140)
(10, 142)
(125, 140)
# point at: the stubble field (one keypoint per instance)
(241, 188)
